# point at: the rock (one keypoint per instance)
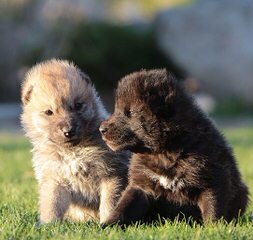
(10, 118)
(206, 102)
(213, 42)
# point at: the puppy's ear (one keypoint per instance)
(26, 91)
(85, 77)
(161, 91)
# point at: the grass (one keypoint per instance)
(233, 107)
(18, 202)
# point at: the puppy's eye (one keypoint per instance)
(49, 112)
(78, 106)
(128, 113)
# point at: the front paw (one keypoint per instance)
(111, 221)
(49, 220)
(106, 224)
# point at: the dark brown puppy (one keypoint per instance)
(179, 155)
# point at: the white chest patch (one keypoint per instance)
(165, 182)
(174, 184)
(76, 167)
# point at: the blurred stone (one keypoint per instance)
(9, 118)
(191, 84)
(74, 10)
(213, 42)
(205, 101)
(9, 110)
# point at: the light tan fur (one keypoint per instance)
(80, 180)
(108, 187)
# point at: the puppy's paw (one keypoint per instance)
(106, 225)
(110, 223)
(44, 221)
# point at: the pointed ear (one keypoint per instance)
(85, 77)
(169, 86)
(26, 91)
(160, 93)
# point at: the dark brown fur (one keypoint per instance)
(179, 155)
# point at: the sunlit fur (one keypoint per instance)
(79, 178)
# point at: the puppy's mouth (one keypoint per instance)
(135, 148)
(112, 145)
(68, 143)
(73, 142)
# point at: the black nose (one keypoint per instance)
(69, 133)
(103, 129)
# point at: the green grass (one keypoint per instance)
(233, 107)
(18, 202)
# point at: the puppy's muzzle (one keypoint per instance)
(69, 132)
(103, 128)
(67, 129)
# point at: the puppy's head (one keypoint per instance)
(144, 103)
(59, 104)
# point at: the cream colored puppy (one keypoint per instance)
(78, 176)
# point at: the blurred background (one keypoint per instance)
(207, 44)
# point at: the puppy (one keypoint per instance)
(179, 155)
(78, 176)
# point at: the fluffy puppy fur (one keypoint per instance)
(78, 176)
(179, 155)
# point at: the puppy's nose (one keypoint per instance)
(69, 132)
(103, 128)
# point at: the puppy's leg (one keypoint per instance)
(132, 206)
(213, 205)
(110, 193)
(54, 201)
(238, 204)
